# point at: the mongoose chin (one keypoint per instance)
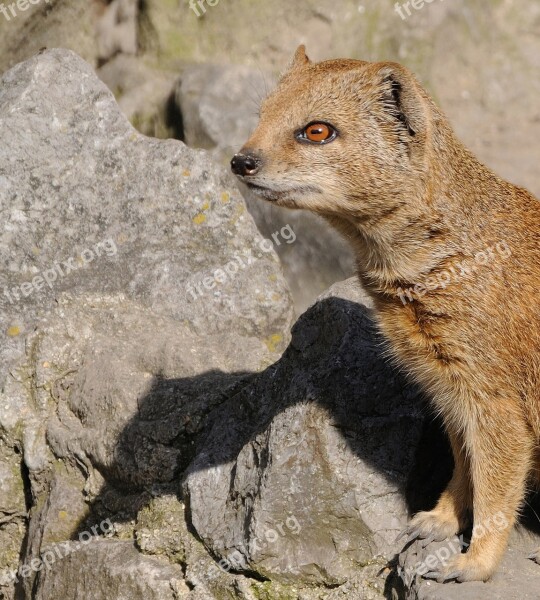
(363, 145)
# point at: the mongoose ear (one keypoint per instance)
(300, 59)
(401, 99)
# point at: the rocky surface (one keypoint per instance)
(91, 205)
(516, 579)
(120, 256)
(301, 477)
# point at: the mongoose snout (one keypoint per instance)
(245, 164)
(449, 253)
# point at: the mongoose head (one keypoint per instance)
(343, 137)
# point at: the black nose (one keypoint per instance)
(245, 164)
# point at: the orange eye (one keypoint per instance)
(317, 133)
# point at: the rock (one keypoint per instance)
(116, 30)
(136, 295)
(110, 569)
(219, 108)
(97, 207)
(301, 477)
(49, 23)
(144, 95)
(310, 471)
(219, 105)
(13, 513)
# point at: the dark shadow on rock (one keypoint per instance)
(335, 359)
(174, 119)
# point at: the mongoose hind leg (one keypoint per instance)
(500, 455)
(451, 515)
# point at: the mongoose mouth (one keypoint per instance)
(274, 195)
(266, 192)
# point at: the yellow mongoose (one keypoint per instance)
(450, 254)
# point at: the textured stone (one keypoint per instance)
(109, 569)
(301, 476)
(108, 373)
(78, 181)
(516, 579)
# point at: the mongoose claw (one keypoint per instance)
(427, 541)
(535, 556)
(413, 535)
(401, 535)
(441, 577)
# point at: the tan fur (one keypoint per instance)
(415, 204)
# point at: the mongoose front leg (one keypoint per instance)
(451, 514)
(500, 450)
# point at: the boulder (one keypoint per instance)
(109, 569)
(116, 29)
(120, 256)
(302, 476)
(144, 94)
(310, 471)
(92, 206)
(48, 23)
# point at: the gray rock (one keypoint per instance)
(48, 23)
(116, 29)
(90, 205)
(220, 104)
(144, 95)
(301, 478)
(123, 320)
(108, 569)
(312, 469)
(13, 513)
(219, 107)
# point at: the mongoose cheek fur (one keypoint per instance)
(450, 254)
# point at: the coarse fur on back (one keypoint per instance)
(450, 254)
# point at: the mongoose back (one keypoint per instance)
(450, 254)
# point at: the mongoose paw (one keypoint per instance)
(535, 556)
(429, 526)
(461, 568)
